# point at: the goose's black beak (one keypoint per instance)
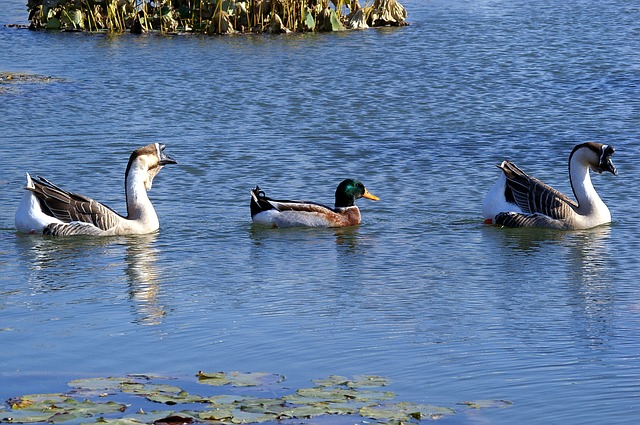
(606, 164)
(164, 158)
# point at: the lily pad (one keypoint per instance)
(336, 395)
(55, 408)
(149, 388)
(29, 400)
(218, 415)
(238, 379)
(356, 397)
(405, 411)
(366, 381)
(181, 397)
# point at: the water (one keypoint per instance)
(422, 293)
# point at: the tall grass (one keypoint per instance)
(210, 16)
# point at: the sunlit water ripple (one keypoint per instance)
(421, 292)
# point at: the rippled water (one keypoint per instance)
(421, 292)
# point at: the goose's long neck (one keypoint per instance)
(139, 207)
(586, 195)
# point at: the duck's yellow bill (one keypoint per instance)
(369, 195)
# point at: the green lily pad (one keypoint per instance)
(149, 388)
(238, 379)
(242, 417)
(30, 418)
(181, 397)
(359, 397)
(336, 395)
(33, 401)
(224, 400)
(347, 408)
(405, 411)
(261, 405)
(366, 381)
(218, 415)
(302, 412)
(56, 408)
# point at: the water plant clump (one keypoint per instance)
(225, 398)
(213, 16)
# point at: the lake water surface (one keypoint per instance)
(421, 293)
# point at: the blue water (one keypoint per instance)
(422, 292)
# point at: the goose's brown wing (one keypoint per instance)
(72, 207)
(533, 196)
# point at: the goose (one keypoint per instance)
(274, 213)
(519, 200)
(48, 209)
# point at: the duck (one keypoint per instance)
(50, 210)
(519, 200)
(279, 213)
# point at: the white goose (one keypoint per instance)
(518, 200)
(47, 209)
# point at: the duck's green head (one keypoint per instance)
(350, 190)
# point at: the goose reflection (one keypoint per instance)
(58, 263)
(580, 260)
(593, 287)
(66, 263)
(142, 272)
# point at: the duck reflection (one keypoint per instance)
(347, 239)
(142, 272)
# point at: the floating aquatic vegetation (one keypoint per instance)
(356, 382)
(56, 408)
(238, 379)
(402, 412)
(213, 16)
(112, 401)
(11, 80)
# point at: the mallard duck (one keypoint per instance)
(274, 213)
(46, 208)
(518, 200)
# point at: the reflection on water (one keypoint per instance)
(78, 262)
(347, 240)
(60, 263)
(593, 284)
(141, 259)
(522, 240)
(580, 260)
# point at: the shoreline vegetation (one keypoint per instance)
(213, 17)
